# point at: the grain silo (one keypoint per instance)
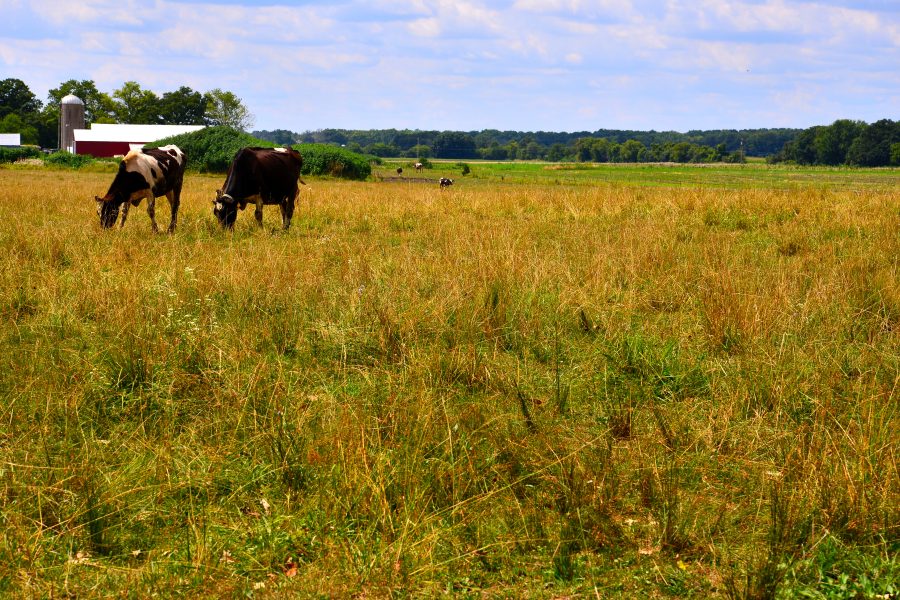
(71, 117)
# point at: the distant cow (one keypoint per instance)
(399, 171)
(144, 174)
(262, 176)
(446, 182)
(418, 166)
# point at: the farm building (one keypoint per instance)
(103, 139)
(10, 139)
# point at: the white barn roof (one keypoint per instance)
(10, 139)
(104, 132)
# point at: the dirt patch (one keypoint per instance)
(408, 180)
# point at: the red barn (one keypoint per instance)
(103, 140)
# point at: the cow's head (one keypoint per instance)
(225, 209)
(108, 211)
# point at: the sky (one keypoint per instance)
(524, 65)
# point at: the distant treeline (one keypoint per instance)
(603, 145)
(845, 142)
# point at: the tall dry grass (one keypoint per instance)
(503, 388)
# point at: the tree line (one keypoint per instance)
(604, 145)
(845, 142)
(38, 122)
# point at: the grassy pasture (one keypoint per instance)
(515, 387)
(724, 176)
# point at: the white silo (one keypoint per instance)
(71, 117)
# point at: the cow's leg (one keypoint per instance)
(151, 210)
(287, 211)
(125, 206)
(174, 198)
(258, 212)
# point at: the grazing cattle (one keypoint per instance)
(418, 166)
(446, 182)
(144, 174)
(399, 171)
(261, 176)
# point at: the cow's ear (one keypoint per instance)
(98, 198)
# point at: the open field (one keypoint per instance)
(725, 176)
(517, 387)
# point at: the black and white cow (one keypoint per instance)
(418, 166)
(261, 176)
(445, 182)
(144, 174)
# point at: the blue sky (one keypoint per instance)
(529, 65)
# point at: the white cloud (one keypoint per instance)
(479, 62)
(430, 27)
(62, 12)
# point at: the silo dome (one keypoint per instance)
(71, 99)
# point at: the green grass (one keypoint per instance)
(723, 176)
(501, 389)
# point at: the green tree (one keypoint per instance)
(632, 151)
(591, 149)
(494, 151)
(895, 154)
(803, 149)
(382, 150)
(419, 151)
(454, 144)
(224, 108)
(557, 152)
(602, 150)
(531, 151)
(184, 106)
(13, 123)
(276, 136)
(872, 148)
(98, 106)
(721, 152)
(15, 97)
(136, 105)
(833, 142)
(681, 152)
(407, 139)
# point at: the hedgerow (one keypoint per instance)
(212, 149)
(322, 159)
(67, 159)
(8, 155)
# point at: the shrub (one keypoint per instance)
(67, 159)
(212, 149)
(8, 155)
(322, 159)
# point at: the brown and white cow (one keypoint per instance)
(261, 176)
(144, 174)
